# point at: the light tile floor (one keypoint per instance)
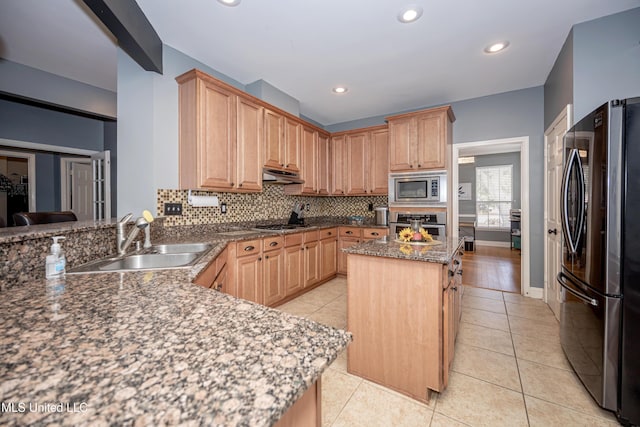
(509, 370)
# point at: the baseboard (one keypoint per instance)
(493, 243)
(537, 293)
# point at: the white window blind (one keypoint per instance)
(493, 196)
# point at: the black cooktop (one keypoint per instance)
(277, 227)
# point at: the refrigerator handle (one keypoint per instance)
(572, 161)
(582, 297)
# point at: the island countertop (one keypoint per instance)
(441, 253)
(152, 348)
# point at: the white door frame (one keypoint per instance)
(65, 170)
(567, 115)
(31, 170)
(496, 146)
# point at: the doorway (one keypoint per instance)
(17, 185)
(507, 145)
(76, 186)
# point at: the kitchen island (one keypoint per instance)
(153, 348)
(403, 309)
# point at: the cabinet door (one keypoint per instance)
(273, 276)
(311, 263)
(431, 140)
(379, 162)
(274, 140)
(448, 335)
(402, 144)
(338, 162)
(343, 243)
(249, 278)
(221, 283)
(309, 166)
(216, 151)
(249, 146)
(358, 169)
(292, 146)
(324, 175)
(293, 269)
(328, 258)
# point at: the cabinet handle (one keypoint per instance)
(259, 258)
(375, 234)
(410, 166)
(282, 164)
(302, 249)
(266, 257)
(454, 288)
(329, 233)
(232, 183)
(348, 232)
(419, 165)
(273, 244)
(219, 287)
(240, 185)
(287, 166)
(249, 248)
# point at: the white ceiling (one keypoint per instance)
(305, 48)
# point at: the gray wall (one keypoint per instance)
(274, 96)
(606, 60)
(467, 173)
(23, 122)
(31, 83)
(47, 182)
(111, 144)
(558, 89)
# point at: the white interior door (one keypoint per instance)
(101, 171)
(82, 190)
(553, 176)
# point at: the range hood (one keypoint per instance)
(273, 176)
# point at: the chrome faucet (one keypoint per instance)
(123, 242)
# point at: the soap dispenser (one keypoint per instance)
(56, 261)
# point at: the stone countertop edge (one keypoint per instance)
(148, 347)
(386, 248)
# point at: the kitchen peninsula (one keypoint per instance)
(403, 309)
(152, 348)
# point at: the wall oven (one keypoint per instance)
(434, 223)
(418, 189)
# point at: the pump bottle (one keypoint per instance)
(55, 261)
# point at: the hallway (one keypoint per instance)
(492, 267)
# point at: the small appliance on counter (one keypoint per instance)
(382, 215)
(297, 214)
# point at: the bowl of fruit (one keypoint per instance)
(413, 236)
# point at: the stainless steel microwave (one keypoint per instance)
(418, 189)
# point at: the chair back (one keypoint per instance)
(33, 218)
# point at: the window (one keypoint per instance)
(494, 196)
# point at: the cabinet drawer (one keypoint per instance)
(375, 233)
(248, 247)
(328, 233)
(273, 243)
(293, 239)
(311, 236)
(350, 232)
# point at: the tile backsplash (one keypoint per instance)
(272, 203)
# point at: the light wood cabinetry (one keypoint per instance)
(273, 273)
(294, 264)
(306, 412)
(328, 253)
(451, 311)
(315, 167)
(282, 142)
(419, 140)
(311, 247)
(248, 270)
(387, 295)
(360, 162)
(220, 135)
(350, 236)
(324, 170)
(215, 274)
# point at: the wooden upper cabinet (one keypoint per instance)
(338, 165)
(274, 144)
(292, 145)
(324, 167)
(419, 140)
(358, 168)
(249, 146)
(221, 136)
(379, 162)
(309, 166)
(360, 160)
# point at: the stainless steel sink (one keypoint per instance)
(181, 248)
(165, 256)
(144, 261)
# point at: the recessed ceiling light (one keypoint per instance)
(410, 13)
(339, 89)
(230, 2)
(496, 47)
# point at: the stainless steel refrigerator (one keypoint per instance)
(600, 274)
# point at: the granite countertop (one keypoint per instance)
(388, 248)
(151, 347)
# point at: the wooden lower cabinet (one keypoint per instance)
(293, 264)
(403, 318)
(350, 236)
(215, 275)
(307, 411)
(311, 259)
(343, 243)
(273, 276)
